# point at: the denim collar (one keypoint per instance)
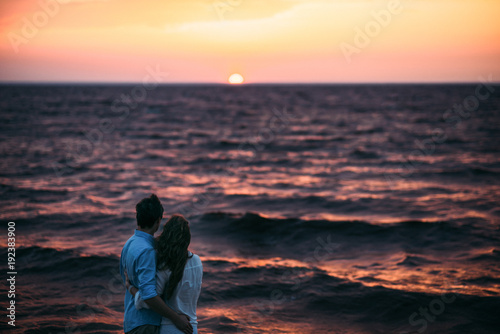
(145, 235)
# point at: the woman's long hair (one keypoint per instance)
(172, 250)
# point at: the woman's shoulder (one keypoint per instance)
(194, 260)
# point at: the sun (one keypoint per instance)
(235, 79)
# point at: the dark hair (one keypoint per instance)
(172, 250)
(148, 211)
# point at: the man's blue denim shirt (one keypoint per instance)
(139, 257)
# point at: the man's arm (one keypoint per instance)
(181, 321)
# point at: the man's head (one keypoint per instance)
(149, 212)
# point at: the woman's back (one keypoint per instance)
(185, 296)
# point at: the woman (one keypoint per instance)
(178, 276)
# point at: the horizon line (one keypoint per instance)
(244, 84)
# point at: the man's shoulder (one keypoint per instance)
(138, 245)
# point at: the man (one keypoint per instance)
(138, 258)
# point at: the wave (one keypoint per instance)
(63, 265)
(253, 223)
(491, 255)
(471, 171)
(415, 261)
(364, 154)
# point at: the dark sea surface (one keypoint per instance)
(315, 209)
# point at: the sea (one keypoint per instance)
(353, 209)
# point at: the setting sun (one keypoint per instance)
(235, 78)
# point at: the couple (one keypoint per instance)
(162, 277)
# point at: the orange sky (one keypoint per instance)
(264, 40)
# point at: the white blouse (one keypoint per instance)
(186, 294)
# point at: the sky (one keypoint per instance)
(266, 41)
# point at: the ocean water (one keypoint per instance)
(314, 208)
